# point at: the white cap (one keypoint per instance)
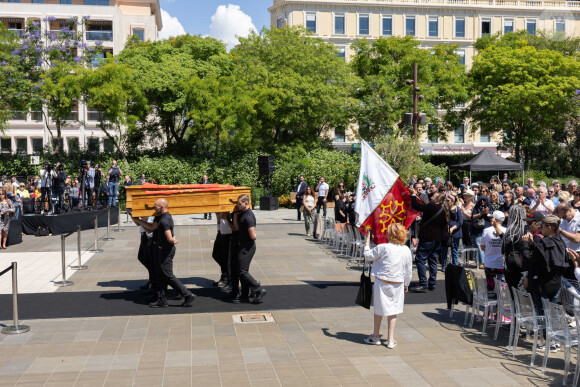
(499, 216)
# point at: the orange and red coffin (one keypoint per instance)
(184, 198)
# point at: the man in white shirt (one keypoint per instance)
(491, 244)
(570, 226)
(542, 204)
(322, 189)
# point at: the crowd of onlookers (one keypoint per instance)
(18, 195)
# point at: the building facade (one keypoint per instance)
(112, 22)
(431, 22)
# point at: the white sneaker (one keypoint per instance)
(373, 340)
(391, 344)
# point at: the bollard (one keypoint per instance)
(63, 282)
(96, 248)
(15, 329)
(119, 229)
(80, 266)
(108, 237)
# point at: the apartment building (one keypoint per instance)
(111, 22)
(431, 22)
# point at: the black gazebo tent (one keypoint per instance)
(486, 160)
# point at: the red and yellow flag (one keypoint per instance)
(394, 208)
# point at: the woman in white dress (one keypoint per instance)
(392, 271)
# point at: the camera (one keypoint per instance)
(84, 165)
(60, 167)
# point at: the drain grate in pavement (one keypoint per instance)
(253, 318)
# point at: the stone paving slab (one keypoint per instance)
(303, 347)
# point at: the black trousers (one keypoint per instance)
(145, 256)
(320, 202)
(299, 202)
(89, 196)
(221, 254)
(163, 263)
(241, 270)
(46, 194)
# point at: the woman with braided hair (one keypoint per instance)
(513, 244)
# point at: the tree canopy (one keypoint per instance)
(524, 93)
(301, 86)
(384, 66)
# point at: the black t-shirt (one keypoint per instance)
(165, 222)
(246, 220)
(340, 206)
(114, 176)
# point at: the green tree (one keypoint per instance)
(384, 65)
(160, 70)
(43, 70)
(221, 111)
(524, 93)
(110, 89)
(302, 88)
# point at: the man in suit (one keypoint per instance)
(204, 180)
(300, 191)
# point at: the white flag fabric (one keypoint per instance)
(375, 179)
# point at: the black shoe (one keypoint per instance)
(209, 218)
(158, 304)
(189, 300)
(259, 296)
(240, 300)
(175, 298)
(417, 289)
(432, 288)
(227, 288)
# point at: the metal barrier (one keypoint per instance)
(15, 328)
(119, 229)
(108, 237)
(96, 248)
(64, 281)
(80, 266)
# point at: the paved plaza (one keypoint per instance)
(99, 332)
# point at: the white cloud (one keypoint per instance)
(228, 22)
(171, 26)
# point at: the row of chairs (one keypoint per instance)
(346, 240)
(521, 312)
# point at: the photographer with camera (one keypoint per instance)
(88, 183)
(99, 184)
(114, 173)
(47, 173)
(58, 185)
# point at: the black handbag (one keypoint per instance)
(365, 291)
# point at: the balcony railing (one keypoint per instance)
(93, 115)
(18, 115)
(104, 36)
(36, 116)
(17, 32)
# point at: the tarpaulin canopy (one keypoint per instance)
(486, 160)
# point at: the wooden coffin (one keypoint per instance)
(184, 199)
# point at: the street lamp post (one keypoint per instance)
(416, 98)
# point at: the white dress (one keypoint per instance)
(393, 263)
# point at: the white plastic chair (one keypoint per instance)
(577, 371)
(526, 316)
(557, 331)
(466, 252)
(328, 233)
(505, 308)
(481, 300)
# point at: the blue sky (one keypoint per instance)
(195, 15)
